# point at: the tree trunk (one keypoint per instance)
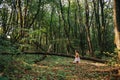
(68, 16)
(65, 28)
(20, 16)
(117, 25)
(87, 27)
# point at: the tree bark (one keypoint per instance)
(20, 16)
(117, 25)
(87, 27)
(38, 10)
(65, 28)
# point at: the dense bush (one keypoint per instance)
(6, 46)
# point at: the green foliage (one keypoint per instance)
(6, 46)
(49, 26)
(97, 54)
(31, 36)
(52, 68)
(4, 61)
(113, 59)
(4, 78)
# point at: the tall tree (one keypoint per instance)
(87, 27)
(117, 24)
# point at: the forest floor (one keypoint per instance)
(58, 68)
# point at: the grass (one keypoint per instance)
(52, 68)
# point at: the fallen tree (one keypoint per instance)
(66, 55)
(56, 54)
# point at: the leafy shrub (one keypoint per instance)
(6, 46)
(98, 54)
(4, 61)
(4, 78)
(113, 59)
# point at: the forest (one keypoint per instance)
(38, 39)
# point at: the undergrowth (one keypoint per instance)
(52, 68)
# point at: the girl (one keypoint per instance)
(77, 58)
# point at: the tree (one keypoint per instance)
(117, 25)
(87, 27)
(67, 25)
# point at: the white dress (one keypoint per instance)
(77, 59)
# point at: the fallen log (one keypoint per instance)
(56, 54)
(66, 55)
